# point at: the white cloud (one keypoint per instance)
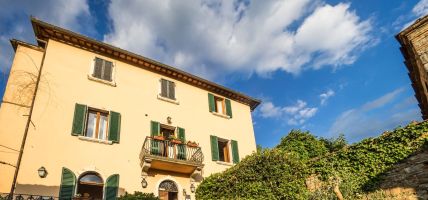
(296, 114)
(212, 37)
(269, 110)
(325, 96)
(421, 8)
(374, 117)
(15, 21)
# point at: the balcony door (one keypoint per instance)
(168, 190)
(167, 131)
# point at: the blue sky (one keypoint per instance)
(327, 66)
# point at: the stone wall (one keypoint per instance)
(409, 176)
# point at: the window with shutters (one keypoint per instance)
(224, 151)
(97, 124)
(167, 91)
(220, 106)
(102, 70)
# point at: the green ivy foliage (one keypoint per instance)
(304, 144)
(138, 196)
(270, 174)
(280, 173)
(369, 159)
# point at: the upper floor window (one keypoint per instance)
(97, 124)
(224, 150)
(103, 70)
(219, 105)
(167, 89)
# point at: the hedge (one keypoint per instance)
(280, 173)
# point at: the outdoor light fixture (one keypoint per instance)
(144, 183)
(192, 188)
(42, 172)
(168, 119)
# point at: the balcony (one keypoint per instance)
(172, 156)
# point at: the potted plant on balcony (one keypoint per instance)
(174, 139)
(192, 144)
(158, 137)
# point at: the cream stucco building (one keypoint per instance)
(106, 121)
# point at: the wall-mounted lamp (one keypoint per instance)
(144, 182)
(192, 188)
(42, 172)
(184, 192)
(168, 119)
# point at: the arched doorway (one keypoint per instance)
(90, 186)
(168, 190)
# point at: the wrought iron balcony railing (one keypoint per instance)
(5, 196)
(172, 150)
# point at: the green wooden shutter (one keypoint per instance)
(114, 127)
(181, 147)
(98, 67)
(111, 187)
(79, 119)
(211, 102)
(235, 152)
(171, 90)
(181, 134)
(214, 148)
(228, 108)
(154, 131)
(164, 88)
(68, 182)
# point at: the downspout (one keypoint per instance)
(24, 138)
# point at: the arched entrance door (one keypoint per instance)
(90, 186)
(168, 190)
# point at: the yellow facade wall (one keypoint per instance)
(65, 82)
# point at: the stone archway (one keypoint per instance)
(168, 190)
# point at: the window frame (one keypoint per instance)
(97, 124)
(223, 105)
(166, 98)
(227, 149)
(100, 80)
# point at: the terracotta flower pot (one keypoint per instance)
(175, 141)
(192, 144)
(158, 137)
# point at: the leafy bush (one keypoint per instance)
(303, 144)
(280, 173)
(270, 174)
(362, 164)
(138, 196)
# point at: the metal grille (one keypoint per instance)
(168, 186)
(26, 197)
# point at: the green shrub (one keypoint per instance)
(270, 174)
(361, 165)
(138, 196)
(303, 144)
(280, 173)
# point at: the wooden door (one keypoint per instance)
(163, 195)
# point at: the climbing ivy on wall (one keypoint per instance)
(280, 173)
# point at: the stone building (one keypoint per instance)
(414, 47)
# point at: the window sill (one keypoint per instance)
(168, 100)
(95, 140)
(224, 163)
(111, 83)
(220, 115)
